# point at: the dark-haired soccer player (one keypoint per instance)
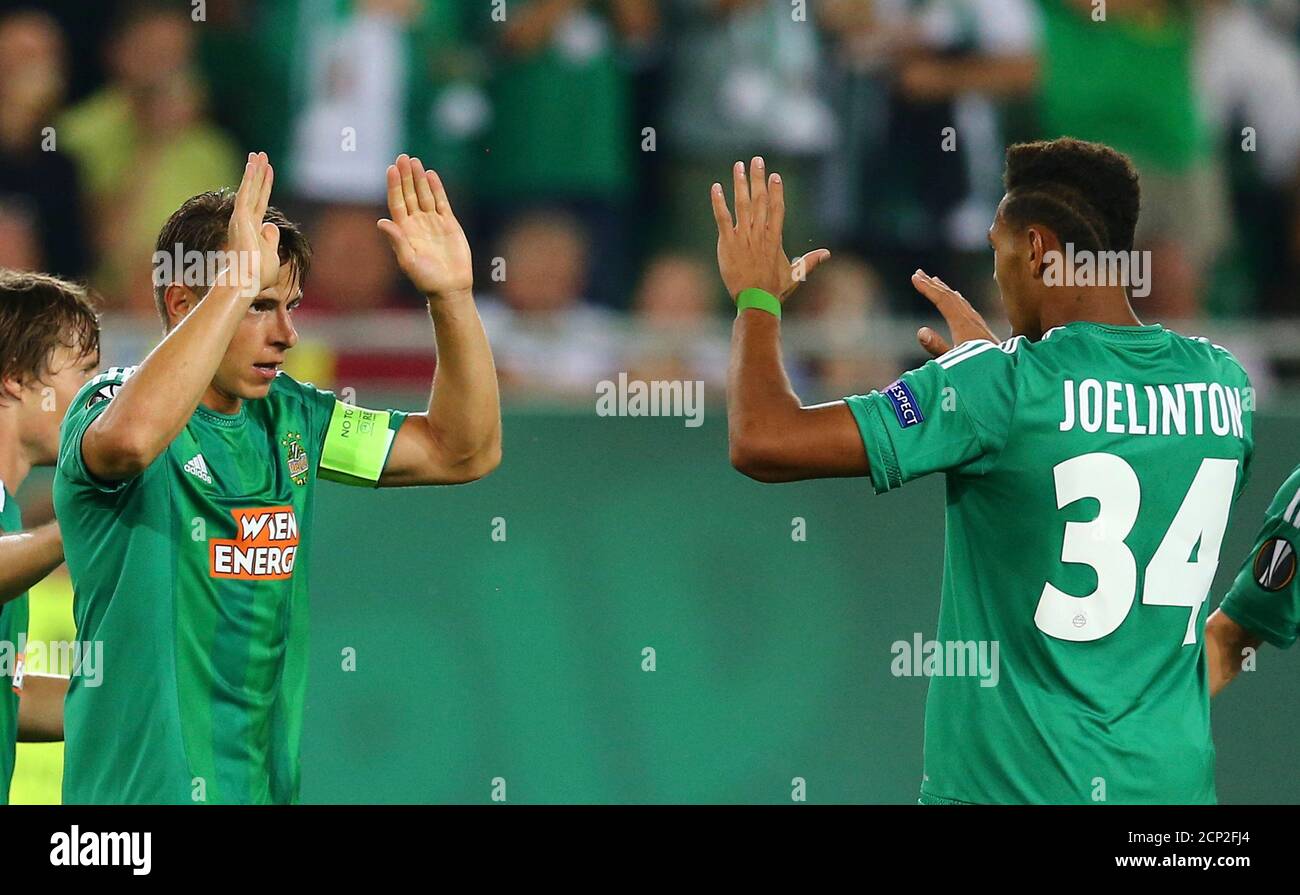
(185, 492)
(1091, 466)
(49, 347)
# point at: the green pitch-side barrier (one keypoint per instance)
(495, 638)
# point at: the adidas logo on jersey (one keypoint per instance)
(198, 467)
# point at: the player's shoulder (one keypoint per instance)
(1205, 346)
(1196, 349)
(291, 396)
(981, 357)
(102, 387)
(1211, 352)
(287, 389)
(1286, 503)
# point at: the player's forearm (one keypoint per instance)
(40, 710)
(26, 557)
(773, 437)
(761, 403)
(464, 406)
(156, 402)
(1225, 641)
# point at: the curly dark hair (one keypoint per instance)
(1086, 193)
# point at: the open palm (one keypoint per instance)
(254, 242)
(428, 241)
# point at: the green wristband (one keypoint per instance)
(758, 298)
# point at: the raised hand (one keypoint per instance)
(964, 322)
(750, 253)
(255, 244)
(428, 241)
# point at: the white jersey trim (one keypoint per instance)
(1291, 515)
(966, 352)
(124, 373)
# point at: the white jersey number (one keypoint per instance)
(1172, 578)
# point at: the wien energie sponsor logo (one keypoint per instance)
(265, 548)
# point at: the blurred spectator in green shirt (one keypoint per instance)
(1128, 81)
(563, 136)
(1121, 73)
(744, 79)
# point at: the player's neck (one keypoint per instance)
(1107, 305)
(215, 399)
(14, 462)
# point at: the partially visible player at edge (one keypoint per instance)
(1091, 463)
(49, 347)
(185, 492)
(1263, 603)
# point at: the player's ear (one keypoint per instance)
(11, 388)
(1037, 244)
(178, 300)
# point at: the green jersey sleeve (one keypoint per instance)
(354, 442)
(90, 402)
(1265, 598)
(953, 413)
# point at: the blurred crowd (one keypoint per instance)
(579, 138)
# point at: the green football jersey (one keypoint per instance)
(1265, 598)
(1090, 477)
(191, 579)
(13, 634)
